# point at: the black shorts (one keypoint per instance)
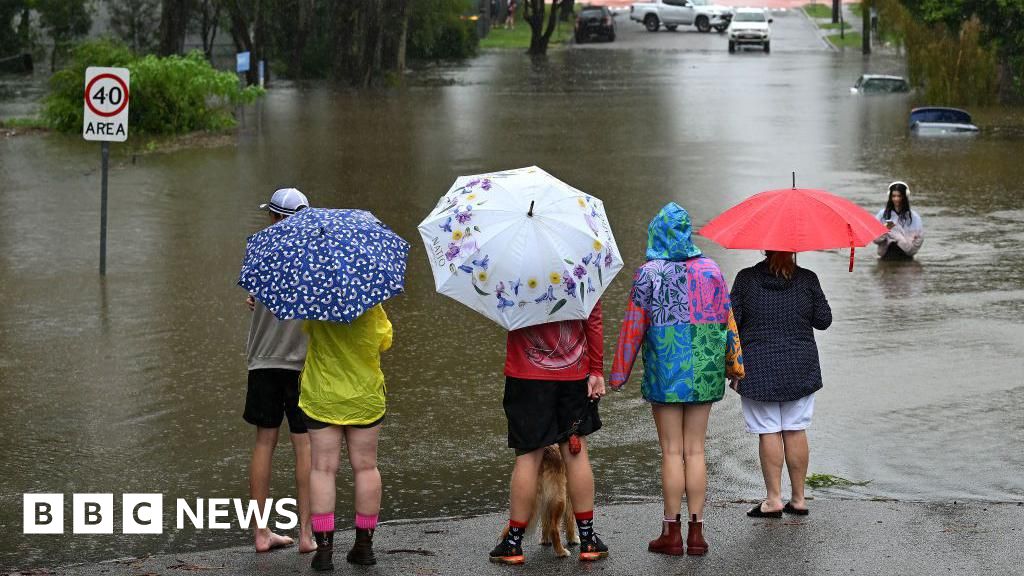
(273, 394)
(544, 412)
(314, 424)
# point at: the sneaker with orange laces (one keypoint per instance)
(507, 552)
(592, 549)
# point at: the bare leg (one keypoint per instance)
(362, 455)
(772, 454)
(797, 458)
(669, 422)
(325, 449)
(303, 467)
(259, 486)
(579, 476)
(523, 490)
(695, 426)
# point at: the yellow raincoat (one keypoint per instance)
(342, 382)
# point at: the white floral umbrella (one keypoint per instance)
(521, 247)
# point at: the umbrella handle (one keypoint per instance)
(530, 213)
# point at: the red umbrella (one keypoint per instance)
(794, 220)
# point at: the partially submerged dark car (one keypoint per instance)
(595, 22)
(938, 121)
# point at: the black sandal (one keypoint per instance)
(756, 512)
(789, 509)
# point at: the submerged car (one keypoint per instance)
(880, 84)
(934, 120)
(750, 27)
(595, 22)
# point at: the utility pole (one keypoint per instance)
(836, 11)
(865, 26)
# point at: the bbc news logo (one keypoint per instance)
(144, 513)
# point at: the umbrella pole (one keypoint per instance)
(852, 247)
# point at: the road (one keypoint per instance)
(791, 32)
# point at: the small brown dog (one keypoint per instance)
(552, 505)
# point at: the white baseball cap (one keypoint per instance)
(286, 201)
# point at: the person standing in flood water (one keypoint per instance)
(679, 311)
(906, 231)
(343, 397)
(276, 351)
(777, 306)
(554, 377)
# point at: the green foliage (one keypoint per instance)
(956, 66)
(136, 22)
(171, 95)
(437, 30)
(818, 10)
(65, 21)
(830, 481)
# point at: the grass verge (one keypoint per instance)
(850, 40)
(520, 37)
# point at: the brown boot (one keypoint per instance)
(362, 551)
(671, 540)
(695, 544)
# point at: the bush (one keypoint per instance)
(171, 95)
(437, 30)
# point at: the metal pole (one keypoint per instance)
(105, 153)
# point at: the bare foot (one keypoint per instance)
(306, 543)
(267, 541)
(769, 506)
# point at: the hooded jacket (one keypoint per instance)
(679, 312)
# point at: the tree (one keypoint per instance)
(540, 34)
(174, 17)
(136, 22)
(65, 21)
(866, 7)
(207, 19)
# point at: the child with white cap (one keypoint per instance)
(276, 352)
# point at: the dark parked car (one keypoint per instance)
(595, 22)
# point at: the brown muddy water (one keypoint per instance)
(136, 382)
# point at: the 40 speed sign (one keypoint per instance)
(106, 104)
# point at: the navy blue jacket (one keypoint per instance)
(776, 320)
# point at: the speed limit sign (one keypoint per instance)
(106, 104)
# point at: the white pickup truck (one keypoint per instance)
(674, 13)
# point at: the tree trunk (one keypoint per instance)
(240, 35)
(305, 14)
(174, 15)
(836, 8)
(533, 13)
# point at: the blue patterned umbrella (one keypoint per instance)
(324, 264)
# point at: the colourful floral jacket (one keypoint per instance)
(679, 311)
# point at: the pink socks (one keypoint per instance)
(323, 522)
(366, 522)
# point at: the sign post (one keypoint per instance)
(105, 120)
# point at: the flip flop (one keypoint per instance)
(756, 512)
(789, 509)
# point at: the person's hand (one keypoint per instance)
(595, 387)
(250, 301)
(734, 383)
(890, 224)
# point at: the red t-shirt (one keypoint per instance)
(567, 350)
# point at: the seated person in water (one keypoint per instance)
(906, 232)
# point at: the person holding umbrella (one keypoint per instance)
(534, 255)
(333, 268)
(679, 311)
(778, 305)
(905, 233)
(275, 353)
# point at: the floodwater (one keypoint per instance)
(136, 382)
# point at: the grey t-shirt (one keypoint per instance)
(275, 343)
